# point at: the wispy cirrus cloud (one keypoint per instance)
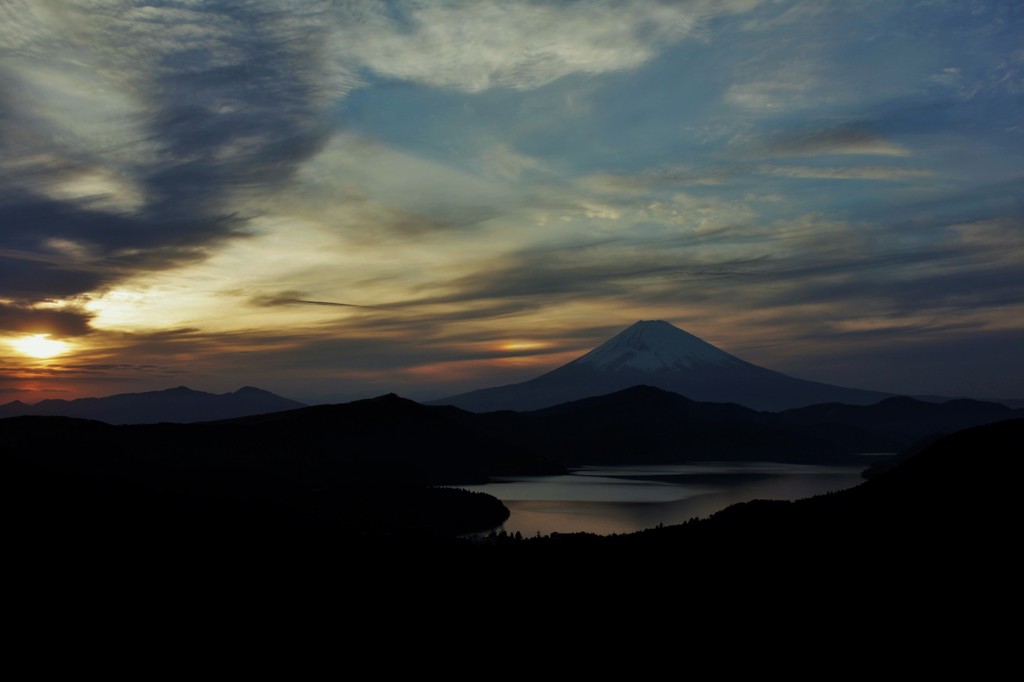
(779, 94)
(882, 173)
(298, 298)
(479, 45)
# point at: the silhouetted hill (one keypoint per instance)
(277, 501)
(362, 467)
(656, 353)
(345, 462)
(938, 525)
(365, 465)
(902, 420)
(436, 444)
(179, 404)
(644, 424)
(954, 493)
(387, 436)
(639, 424)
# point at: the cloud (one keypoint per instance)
(549, 276)
(134, 130)
(889, 173)
(1004, 77)
(783, 75)
(283, 186)
(296, 298)
(33, 320)
(474, 46)
(768, 96)
(377, 189)
(852, 276)
(797, 13)
(122, 367)
(849, 139)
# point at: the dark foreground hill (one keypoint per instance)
(955, 496)
(943, 520)
(928, 544)
(369, 465)
(250, 524)
(366, 466)
(355, 465)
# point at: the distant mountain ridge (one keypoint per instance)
(656, 353)
(645, 425)
(667, 427)
(902, 419)
(180, 404)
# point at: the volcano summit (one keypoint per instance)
(656, 353)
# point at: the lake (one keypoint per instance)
(624, 499)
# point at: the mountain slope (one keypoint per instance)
(957, 497)
(364, 466)
(179, 404)
(902, 419)
(658, 354)
(644, 424)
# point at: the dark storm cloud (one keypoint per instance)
(34, 280)
(109, 246)
(127, 128)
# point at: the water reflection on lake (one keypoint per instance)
(604, 500)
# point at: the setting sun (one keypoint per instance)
(40, 346)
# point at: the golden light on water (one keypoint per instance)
(40, 346)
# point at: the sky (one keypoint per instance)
(333, 200)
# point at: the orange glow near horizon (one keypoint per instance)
(522, 345)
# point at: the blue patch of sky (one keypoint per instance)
(875, 63)
(617, 122)
(637, 120)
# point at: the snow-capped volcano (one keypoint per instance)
(653, 345)
(656, 353)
